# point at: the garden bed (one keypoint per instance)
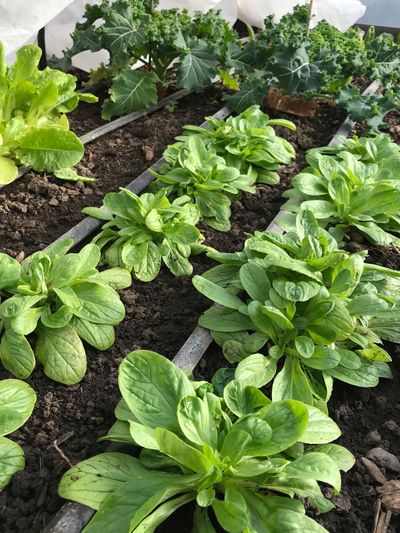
(160, 315)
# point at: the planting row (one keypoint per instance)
(284, 61)
(140, 232)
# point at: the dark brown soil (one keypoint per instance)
(160, 315)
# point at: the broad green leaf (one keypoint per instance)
(92, 480)
(292, 383)
(62, 354)
(99, 304)
(364, 376)
(17, 400)
(317, 466)
(232, 513)
(100, 336)
(243, 400)
(342, 457)
(130, 91)
(256, 370)
(11, 460)
(152, 387)
(197, 66)
(16, 354)
(49, 148)
(320, 429)
(255, 281)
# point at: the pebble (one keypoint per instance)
(53, 201)
(385, 459)
(392, 426)
(374, 437)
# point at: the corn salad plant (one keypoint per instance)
(195, 170)
(141, 232)
(61, 298)
(345, 194)
(309, 305)
(34, 129)
(240, 458)
(247, 141)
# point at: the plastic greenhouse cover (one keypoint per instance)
(340, 13)
(20, 19)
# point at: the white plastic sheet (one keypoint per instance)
(340, 13)
(22, 19)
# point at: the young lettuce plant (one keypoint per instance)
(309, 303)
(346, 194)
(17, 400)
(142, 232)
(239, 457)
(61, 298)
(247, 142)
(34, 129)
(195, 170)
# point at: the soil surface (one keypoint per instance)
(72, 418)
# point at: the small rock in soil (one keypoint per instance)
(383, 458)
(374, 437)
(373, 470)
(392, 426)
(53, 201)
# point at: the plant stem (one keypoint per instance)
(250, 31)
(309, 17)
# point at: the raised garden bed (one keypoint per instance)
(160, 316)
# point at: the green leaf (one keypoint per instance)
(317, 466)
(92, 480)
(320, 429)
(231, 512)
(99, 304)
(49, 148)
(17, 400)
(101, 337)
(177, 449)
(255, 281)
(288, 420)
(197, 67)
(255, 370)
(342, 457)
(152, 387)
(364, 376)
(62, 354)
(199, 419)
(8, 170)
(292, 383)
(130, 91)
(216, 293)
(243, 400)
(16, 354)
(11, 460)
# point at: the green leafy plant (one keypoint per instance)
(237, 456)
(322, 62)
(34, 129)
(17, 400)
(309, 303)
(172, 46)
(346, 193)
(61, 298)
(379, 149)
(247, 142)
(142, 232)
(193, 169)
